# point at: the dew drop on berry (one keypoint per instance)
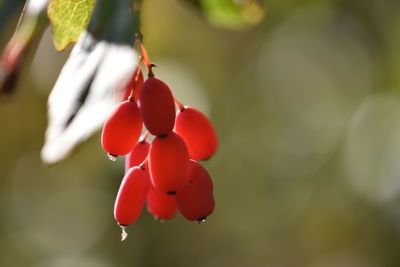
(201, 220)
(121, 129)
(197, 132)
(168, 163)
(195, 200)
(131, 196)
(157, 107)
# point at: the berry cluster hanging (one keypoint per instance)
(164, 174)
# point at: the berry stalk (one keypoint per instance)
(135, 81)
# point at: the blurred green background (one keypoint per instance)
(307, 109)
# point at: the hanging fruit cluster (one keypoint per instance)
(165, 174)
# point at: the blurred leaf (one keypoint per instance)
(30, 27)
(115, 21)
(90, 84)
(69, 18)
(93, 79)
(7, 9)
(231, 14)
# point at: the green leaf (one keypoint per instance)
(69, 18)
(231, 14)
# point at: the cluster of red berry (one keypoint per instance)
(165, 174)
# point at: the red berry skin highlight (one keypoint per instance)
(195, 200)
(121, 129)
(131, 196)
(168, 163)
(157, 107)
(137, 88)
(160, 205)
(137, 155)
(197, 132)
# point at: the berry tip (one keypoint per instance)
(112, 157)
(124, 233)
(201, 219)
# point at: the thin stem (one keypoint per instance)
(145, 55)
(135, 81)
(146, 59)
(151, 74)
(180, 105)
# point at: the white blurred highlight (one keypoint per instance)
(36, 6)
(112, 66)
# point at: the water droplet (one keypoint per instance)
(112, 157)
(124, 233)
(202, 219)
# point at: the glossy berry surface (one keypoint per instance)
(159, 204)
(137, 155)
(121, 129)
(157, 107)
(168, 163)
(131, 196)
(195, 200)
(197, 132)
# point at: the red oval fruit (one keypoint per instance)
(121, 129)
(159, 204)
(131, 196)
(195, 200)
(168, 163)
(157, 107)
(197, 132)
(196, 171)
(137, 155)
(131, 87)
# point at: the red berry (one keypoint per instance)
(197, 132)
(121, 129)
(137, 155)
(159, 204)
(137, 87)
(168, 163)
(157, 107)
(131, 196)
(195, 200)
